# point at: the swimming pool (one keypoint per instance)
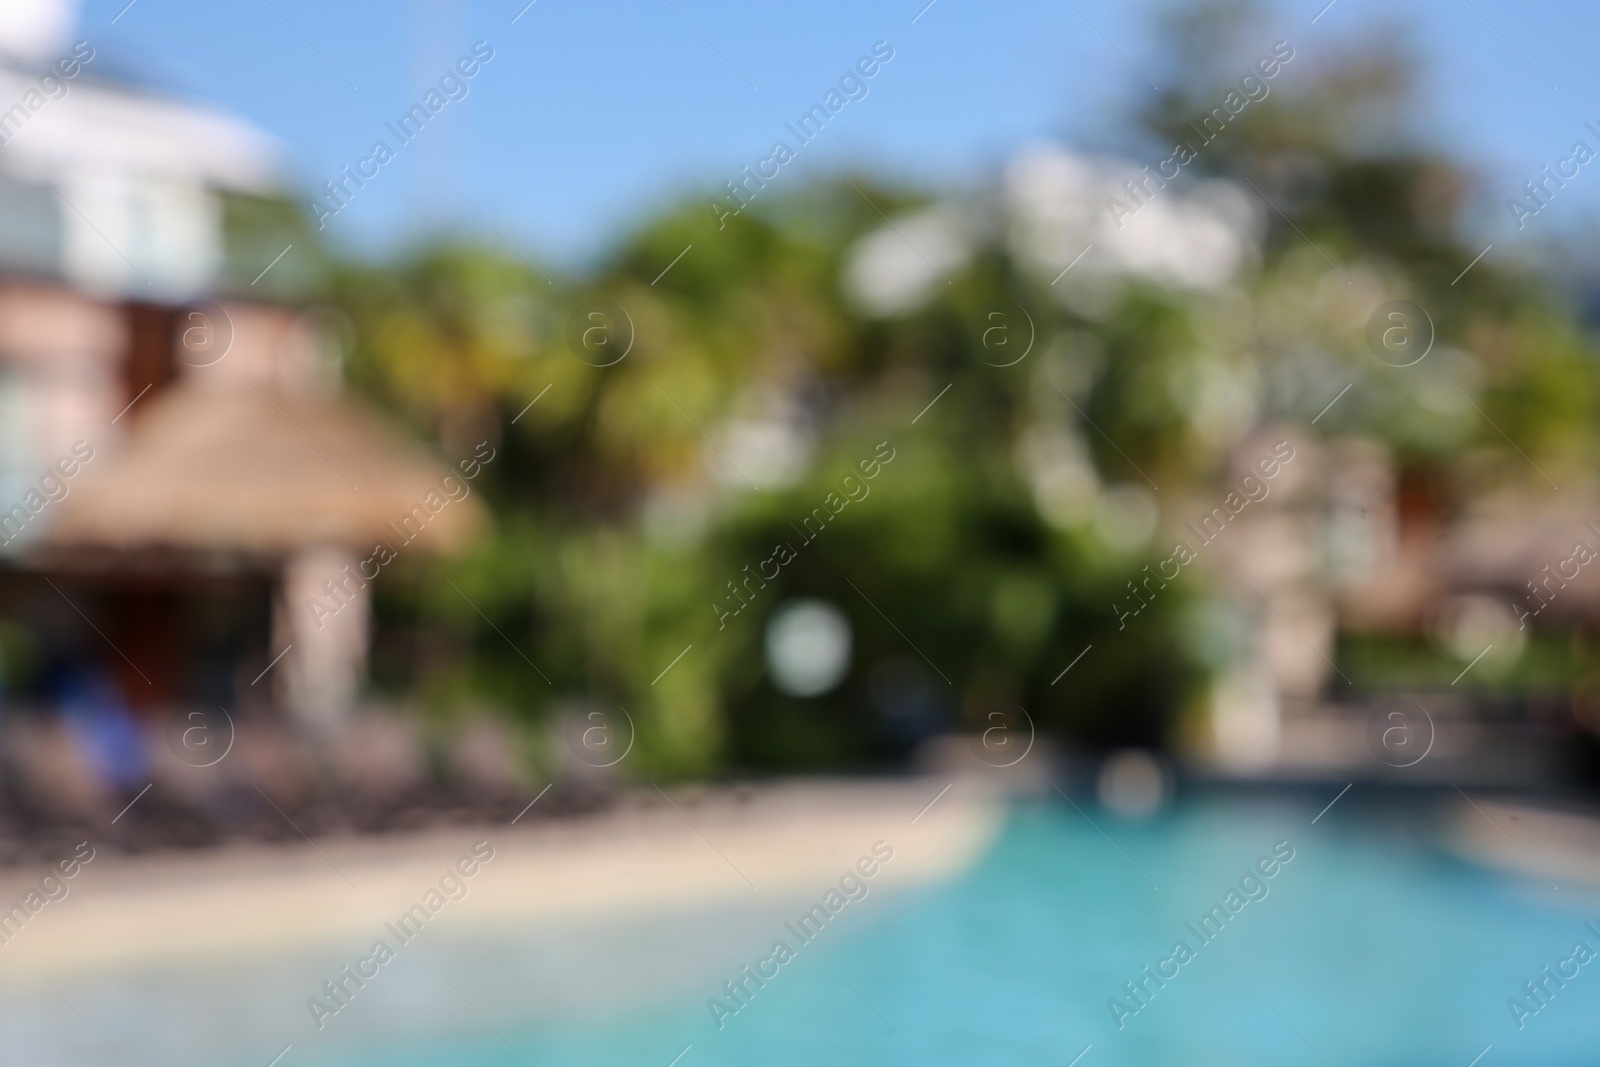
(1369, 945)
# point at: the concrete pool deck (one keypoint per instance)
(1555, 847)
(656, 853)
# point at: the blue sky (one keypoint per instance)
(592, 114)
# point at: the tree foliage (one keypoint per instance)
(629, 496)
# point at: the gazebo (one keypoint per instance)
(274, 501)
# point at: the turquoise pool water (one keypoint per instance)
(1372, 946)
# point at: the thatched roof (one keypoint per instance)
(254, 470)
(1508, 539)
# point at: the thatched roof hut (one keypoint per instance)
(256, 471)
(1518, 539)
